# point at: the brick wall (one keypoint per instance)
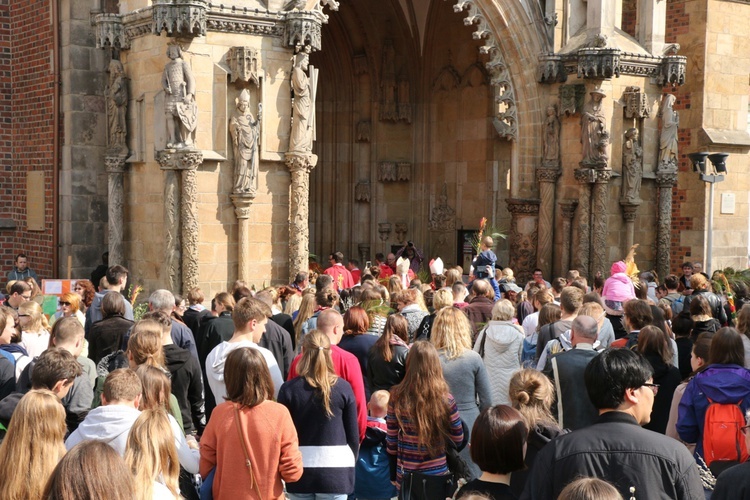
(629, 16)
(27, 131)
(678, 24)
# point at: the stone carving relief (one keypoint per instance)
(636, 105)
(401, 229)
(245, 131)
(404, 101)
(632, 166)
(571, 98)
(442, 216)
(184, 18)
(388, 84)
(117, 109)
(303, 105)
(384, 229)
(523, 236)
(594, 135)
(180, 106)
(551, 156)
(362, 192)
(505, 120)
(668, 143)
(474, 76)
(244, 64)
(364, 131)
(598, 63)
(446, 80)
(391, 171)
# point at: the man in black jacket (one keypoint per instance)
(615, 448)
(566, 368)
(700, 285)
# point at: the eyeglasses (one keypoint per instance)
(653, 387)
(24, 315)
(26, 297)
(64, 303)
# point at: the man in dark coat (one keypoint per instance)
(480, 305)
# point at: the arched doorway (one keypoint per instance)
(405, 138)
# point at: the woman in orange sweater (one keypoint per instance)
(250, 462)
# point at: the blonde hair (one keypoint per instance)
(594, 310)
(306, 310)
(37, 320)
(451, 332)
(442, 298)
(503, 310)
(532, 394)
(379, 400)
(152, 455)
(33, 445)
(316, 366)
(144, 344)
(452, 276)
(292, 303)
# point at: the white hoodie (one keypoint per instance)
(215, 367)
(110, 424)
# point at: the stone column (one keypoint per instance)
(523, 236)
(180, 217)
(600, 213)
(582, 258)
(665, 179)
(242, 203)
(300, 165)
(629, 209)
(568, 208)
(115, 164)
(547, 178)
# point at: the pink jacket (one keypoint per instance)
(618, 287)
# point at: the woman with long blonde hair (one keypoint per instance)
(32, 446)
(152, 457)
(532, 394)
(144, 344)
(35, 329)
(422, 416)
(462, 368)
(324, 413)
(305, 312)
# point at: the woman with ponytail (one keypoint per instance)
(532, 394)
(324, 413)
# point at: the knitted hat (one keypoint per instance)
(618, 267)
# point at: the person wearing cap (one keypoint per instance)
(483, 265)
(437, 269)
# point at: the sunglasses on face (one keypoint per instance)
(64, 303)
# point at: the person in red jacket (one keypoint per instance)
(345, 364)
(342, 278)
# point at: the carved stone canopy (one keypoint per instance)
(110, 32)
(636, 105)
(303, 28)
(244, 64)
(392, 171)
(184, 18)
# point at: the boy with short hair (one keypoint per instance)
(111, 422)
(373, 477)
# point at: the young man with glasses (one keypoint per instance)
(616, 448)
(19, 293)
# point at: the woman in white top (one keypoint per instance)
(34, 328)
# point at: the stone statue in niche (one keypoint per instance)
(303, 106)
(117, 107)
(551, 136)
(594, 135)
(670, 121)
(180, 106)
(404, 101)
(632, 166)
(442, 216)
(245, 130)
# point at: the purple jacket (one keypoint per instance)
(723, 384)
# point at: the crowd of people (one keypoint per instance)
(372, 384)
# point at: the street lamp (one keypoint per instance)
(718, 162)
